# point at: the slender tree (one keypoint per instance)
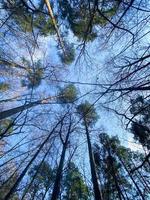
(74, 186)
(43, 180)
(113, 164)
(56, 188)
(89, 116)
(21, 176)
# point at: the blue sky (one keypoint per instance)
(87, 69)
(90, 68)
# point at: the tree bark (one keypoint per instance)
(10, 112)
(56, 188)
(55, 25)
(141, 178)
(97, 192)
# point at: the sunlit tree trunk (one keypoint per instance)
(55, 25)
(10, 112)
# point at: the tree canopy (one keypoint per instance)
(74, 100)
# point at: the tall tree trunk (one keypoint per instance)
(145, 184)
(55, 25)
(126, 194)
(37, 171)
(120, 194)
(97, 192)
(7, 197)
(46, 190)
(56, 188)
(12, 64)
(131, 177)
(10, 112)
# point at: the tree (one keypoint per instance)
(28, 18)
(88, 113)
(108, 169)
(69, 55)
(50, 11)
(42, 149)
(74, 186)
(43, 180)
(66, 95)
(89, 116)
(56, 188)
(82, 17)
(140, 128)
(34, 74)
(6, 187)
(114, 166)
(23, 173)
(141, 133)
(8, 176)
(4, 87)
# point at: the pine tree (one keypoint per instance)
(82, 16)
(74, 186)
(114, 168)
(141, 127)
(43, 180)
(88, 114)
(30, 19)
(4, 87)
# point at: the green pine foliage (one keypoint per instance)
(43, 180)
(68, 56)
(29, 20)
(34, 75)
(74, 185)
(67, 94)
(87, 112)
(78, 16)
(112, 159)
(140, 127)
(4, 86)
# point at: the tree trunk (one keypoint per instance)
(7, 197)
(131, 177)
(12, 64)
(30, 184)
(56, 188)
(10, 112)
(120, 194)
(141, 178)
(97, 192)
(46, 190)
(55, 25)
